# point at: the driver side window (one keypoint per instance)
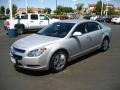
(81, 28)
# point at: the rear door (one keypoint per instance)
(44, 20)
(94, 34)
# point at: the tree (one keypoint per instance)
(30, 10)
(59, 10)
(67, 9)
(2, 10)
(111, 11)
(63, 10)
(47, 10)
(79, 6)
(14, 9)
(99, 6)
(7, 11)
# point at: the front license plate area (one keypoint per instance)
(18, 62)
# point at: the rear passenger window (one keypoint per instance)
(93, 26)
(34, 17)
(43, 17)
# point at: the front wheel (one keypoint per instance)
(105, 44)
(58, 61)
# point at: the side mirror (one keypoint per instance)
(77, 34)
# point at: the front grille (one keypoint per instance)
(19, 50)
(17, 57)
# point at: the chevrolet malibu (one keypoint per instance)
(57, 44)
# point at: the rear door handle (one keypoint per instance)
(41, 21)
(31, 21)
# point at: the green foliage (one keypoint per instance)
(59, 10)
(67, 9)
(111, 11)
(29, 10)
(63, 10)
(79, 6)
(2, 10)
(47, 10)
(14, 9)
(99, 6)
(7, 11)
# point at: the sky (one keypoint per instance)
(52, 3)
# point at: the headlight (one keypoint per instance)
(36, 52)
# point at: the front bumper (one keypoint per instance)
(31, 63)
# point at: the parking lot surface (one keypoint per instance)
(96, 71)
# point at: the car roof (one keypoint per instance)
(76, 21)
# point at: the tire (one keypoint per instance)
(20, 30)
(105, 44)
(58, 62)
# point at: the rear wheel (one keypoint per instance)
(58, 61)
(105, 44)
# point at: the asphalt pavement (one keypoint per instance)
(96, 71)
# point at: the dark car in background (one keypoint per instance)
(87, 17)
(109, 18)
(101, 19)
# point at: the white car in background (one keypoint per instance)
(94, 17)
(28, 22)
(116, 20)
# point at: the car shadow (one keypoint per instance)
(31, 72)
(84, 57)
(47, 72)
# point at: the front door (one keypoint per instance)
(81, 43)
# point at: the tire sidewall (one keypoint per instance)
(102, 47)
(51, 65)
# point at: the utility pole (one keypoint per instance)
(56, 6)
(107, 8)
(102, 8)
(10, 7)
(26, 6)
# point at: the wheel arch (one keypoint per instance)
(60, 49)
(106, 37)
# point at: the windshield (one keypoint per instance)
(57, 29)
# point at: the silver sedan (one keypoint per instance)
(59, 43)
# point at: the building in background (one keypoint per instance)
(92, 7)
(117, 10)
(34, 10)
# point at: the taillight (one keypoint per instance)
(7, 23)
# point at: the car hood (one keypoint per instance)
(34, 41)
